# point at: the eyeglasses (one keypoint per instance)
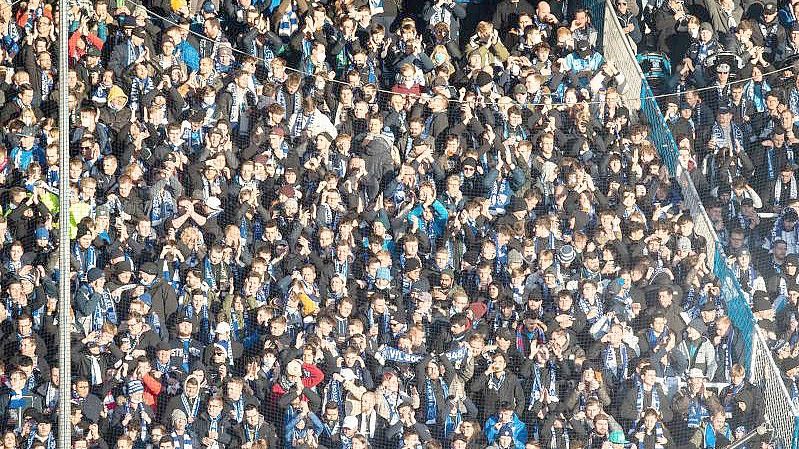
(468, 168)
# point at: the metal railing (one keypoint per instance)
(617, 47)
(780, 412)
(774, 393)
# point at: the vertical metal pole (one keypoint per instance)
(64, 296)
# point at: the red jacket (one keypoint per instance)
(152, 388)
(311, 377)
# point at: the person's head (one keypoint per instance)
(651, 417)
(251, 414)
(648, 375)
(191, 387)
(82, 387)
(165, 442)
(601, 424)
(719, 420)
(215, 406)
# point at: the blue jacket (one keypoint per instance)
(440, 216)
(22, 158)
(189, 55)
(519, 431)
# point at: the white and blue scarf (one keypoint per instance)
(431, 414)
(185, 438)
(620, 372)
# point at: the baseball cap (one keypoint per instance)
(412, 264)
(770, 8)
(94, 274)
(42, 233)
(139, 32)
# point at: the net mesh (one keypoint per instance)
(695, 151)
(251, 262)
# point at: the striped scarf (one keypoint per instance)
(585, 305)
(756, 94)
(778, 200)
(696, 412)
(495, 382)
(639, 400)
(138, 89)
(163, 207)
(653, 338)
(192, 408)
(537, 387)
(282, 100)
(611, 364)
(555, 436)
(431, 413)
(729, 399)
(208, 273)
(105, 311)
(736, 136)
(302, 122)
(87, 259)
(181, 441)
(289, 23)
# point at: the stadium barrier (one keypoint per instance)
(781, 414)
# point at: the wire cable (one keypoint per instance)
(450, 100)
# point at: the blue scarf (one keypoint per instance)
(639, 400)
(238, 325)
(652, 338)
(431, 414)
(729, 399)
(727, 348)
(104, 311)
(696, 412)
(192, 409)
(208, 273)
(87, 259)
(564, 436)
(289, 23)
(335, 394)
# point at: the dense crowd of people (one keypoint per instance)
(379, 224)
(733, 106)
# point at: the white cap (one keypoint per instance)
(695, 372)
(222, 328)
(350, 422)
